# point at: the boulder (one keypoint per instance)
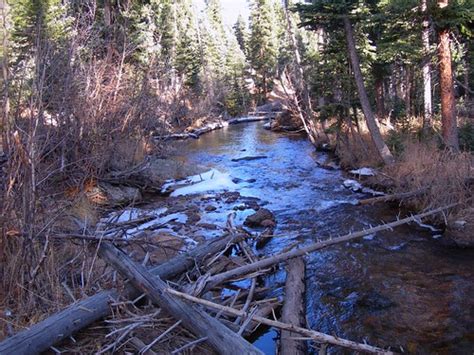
(261, 218)
(286, 121)
(113, 195)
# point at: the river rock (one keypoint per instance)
(260, 218)
(112, 195)
(210, 208)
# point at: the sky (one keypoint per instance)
(230, 10)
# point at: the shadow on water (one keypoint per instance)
(402, 289)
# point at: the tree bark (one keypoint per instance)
(221, 338)
(294, 310)
(382, 149)
(425, 38)
(448, 104)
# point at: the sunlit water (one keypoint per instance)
(401, 289)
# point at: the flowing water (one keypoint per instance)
(405, 289)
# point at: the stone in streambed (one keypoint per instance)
(210, 208)
(259, 218)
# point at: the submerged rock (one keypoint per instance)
(261, 218)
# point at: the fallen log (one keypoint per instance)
(392, 197)
(78, 315)
(293, 311)
(215, 280)
(314, 335)
(222, 339)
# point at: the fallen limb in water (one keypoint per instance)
(196, 320)
(392, 197)
(293, 311)
(215, 280)
(314, 335)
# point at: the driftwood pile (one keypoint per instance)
(206, 300)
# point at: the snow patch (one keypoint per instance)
(212, 180)
(353, 185)
(363, 172)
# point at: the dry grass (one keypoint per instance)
(447, 175)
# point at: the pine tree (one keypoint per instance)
(236, 96)
(241, 34)
(263, 44)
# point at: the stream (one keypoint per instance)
(404, 289)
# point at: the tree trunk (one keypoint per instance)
(5, 109)
(221, 338)
(425, 37)
(379, 98)
(293, 311)
(382, 148)
(408, 90)
(448, 104)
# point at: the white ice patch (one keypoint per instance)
(363, 172)
(212, 180)
(357, 187)
(353, 185)
(159, 220)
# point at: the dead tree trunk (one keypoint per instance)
(293, 311)
(278, 258)
(222, 339)
(382, 148)
(59, 326)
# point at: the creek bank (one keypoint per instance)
(458, 229)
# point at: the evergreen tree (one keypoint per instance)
(237, 95)
(241, 34)
(263, 44)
